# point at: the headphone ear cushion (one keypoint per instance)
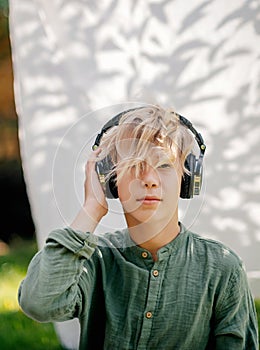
(187, 179)
(111, 188)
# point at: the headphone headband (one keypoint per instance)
(198, 136)
(115, 121)
(112, 122)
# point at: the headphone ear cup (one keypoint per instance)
(107, 181)
(187, 179)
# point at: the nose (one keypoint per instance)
(149, 177)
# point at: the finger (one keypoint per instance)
(96, 151)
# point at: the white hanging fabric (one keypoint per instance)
(76, 63)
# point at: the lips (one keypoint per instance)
(149, 200)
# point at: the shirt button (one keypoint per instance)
(148, 314)
(144, 255)
(155, 273)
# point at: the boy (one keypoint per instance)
(154, 285)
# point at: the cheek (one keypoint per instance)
(127, 189)
(171, 181)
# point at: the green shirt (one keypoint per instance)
(195, 297)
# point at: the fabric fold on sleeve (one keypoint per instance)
(78, 242)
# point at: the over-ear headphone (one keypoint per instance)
(191, 183)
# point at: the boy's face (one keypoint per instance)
(150, 195)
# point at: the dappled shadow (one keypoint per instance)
(72, 58)
(95, 55)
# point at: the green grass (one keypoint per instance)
(257, 304)
(17, 331)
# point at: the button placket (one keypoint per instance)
(150, 311)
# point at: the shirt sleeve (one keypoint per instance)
(236, 324)
(50, 290)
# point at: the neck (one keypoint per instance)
(153, 236)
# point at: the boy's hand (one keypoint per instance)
(95, 204)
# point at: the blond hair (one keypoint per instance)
(145, 133)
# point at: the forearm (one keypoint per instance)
(50, 291)
(86, 220)
(95, 204)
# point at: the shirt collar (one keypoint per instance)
(136, 254)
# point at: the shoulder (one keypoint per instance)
(115, 239)
(216, 253)
(111, 244)
(220, 264)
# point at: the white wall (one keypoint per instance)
(76, 63)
